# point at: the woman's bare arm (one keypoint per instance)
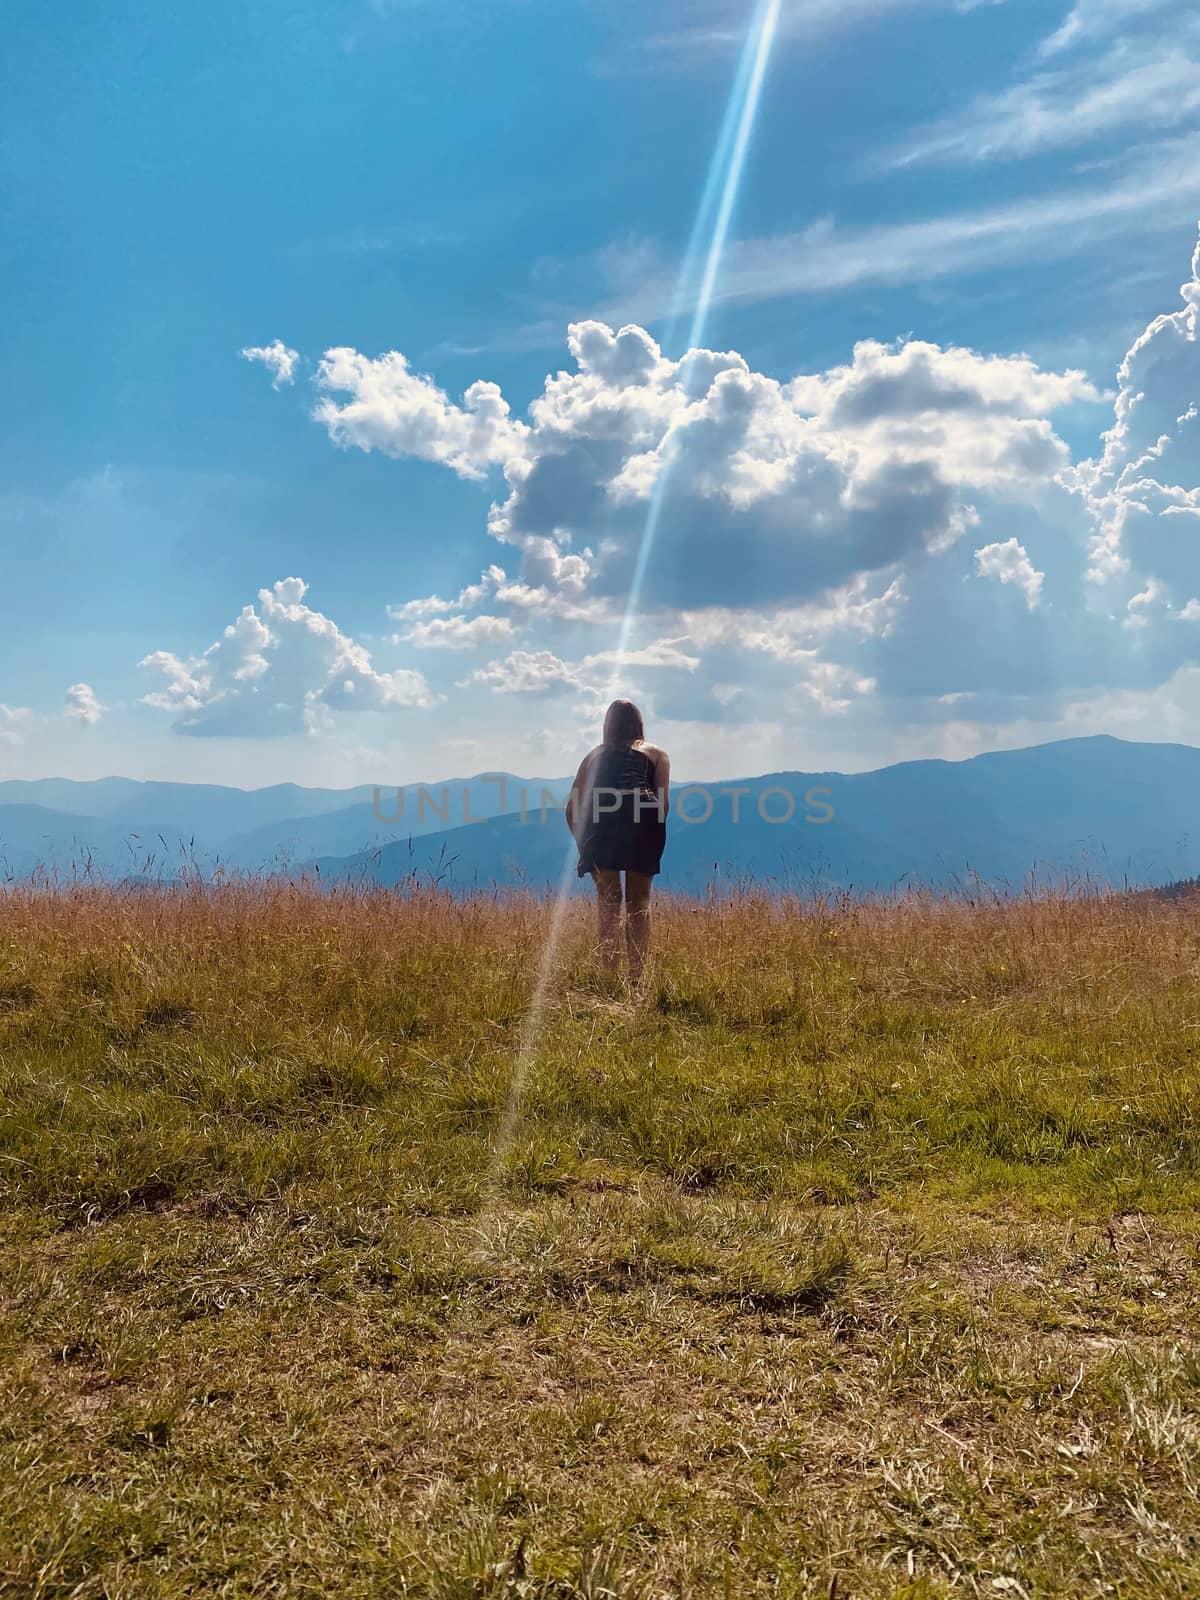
(571, 809)
(662, 776)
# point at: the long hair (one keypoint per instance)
(623, 723)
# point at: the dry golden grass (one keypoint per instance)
(856, 1254)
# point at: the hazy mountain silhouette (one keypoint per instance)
(34, 838)
(119, 826)
(208, 810)
(1116, 811)
(412, 811)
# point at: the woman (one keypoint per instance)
(617, 810)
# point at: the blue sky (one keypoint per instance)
(913, 504)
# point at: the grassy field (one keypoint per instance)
(855, 1257)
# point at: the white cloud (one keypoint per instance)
(430, 605)
(279, 361)
(1009, 563)
(559, 596)
(818, 534)
(402, 413)
(659, 653)
(82, 706)
(779, 490)
(1141, 608)
(1147, 475)
(276, 671)
(833, 688)
(1151, 188)
(460, 633)
(709, 28)
(1135, 85)
(526, 672)
(434, 606)
(538, 671)
(540, 601)
(1089, 20)
(775, 490)
(797, 633)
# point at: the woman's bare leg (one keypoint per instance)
(637, 920)
(608, 917)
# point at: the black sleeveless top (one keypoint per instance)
(620, 767)
(623, 831)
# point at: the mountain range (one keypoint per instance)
(1114, 811)
(119, 826)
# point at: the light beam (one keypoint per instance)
(716, 212)
(733, 144)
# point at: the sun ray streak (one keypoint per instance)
(758, 50)
(714, 183)
(749, 81)
(715, 212)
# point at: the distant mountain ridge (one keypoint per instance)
(118, 826)
(1119, 811)
(1114, 811)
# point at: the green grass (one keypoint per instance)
(856, 1256)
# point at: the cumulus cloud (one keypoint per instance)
(561, 597)
(659, 653)
(540, 601)
(1141, 608)
(434, 606)
(460, 633)
(539, 671)
(275, 671)
(778, 490)
(82, 706)
(817, 534)
(1009, 563)
(1146, 477)
(796, 634)
(279, 361)
(833, 688)
(526, 672)
(802, 644)
(402, 413)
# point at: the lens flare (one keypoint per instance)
(755, 56)
(710, 232)
(725, 179)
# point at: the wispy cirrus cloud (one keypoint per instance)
(1137, 85)
(1157, 190)
(685, 33)
(1089, 20)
